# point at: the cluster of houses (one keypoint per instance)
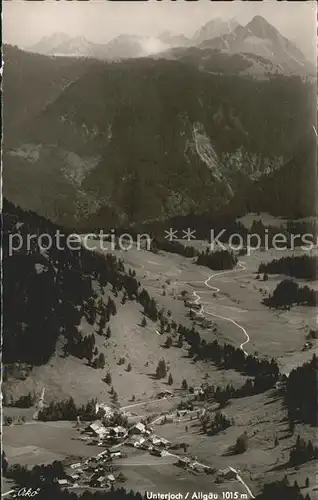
(139, 436)
(94, 472)
(98, 471)
(105, 435)
(142, 437)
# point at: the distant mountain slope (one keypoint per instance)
(30, 82)
(120, 47)
(145, 139)
(216, 62)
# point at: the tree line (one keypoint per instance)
(213, 425)
(24, 401)
(302, 452)
(173, 247)
(300, 266)
(281, 490)
(251, 387)
(218, 260)
(288, 293)
(67, 410)
(300, 396)
(226, 355)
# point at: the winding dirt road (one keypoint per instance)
(198, 298)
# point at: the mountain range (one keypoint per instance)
(256, 43)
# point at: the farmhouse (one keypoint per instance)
(156, 452)
(138, 429)
(227, 473)
(164, 393)
(102, 454)
(118, 432)
(193, 305)
(184, 461)
(62, 482)
(197, 466)
(159, 441)
(97, 429)
(75, 466)
(139, 441)
(165, 443)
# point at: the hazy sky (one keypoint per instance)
(25, 22)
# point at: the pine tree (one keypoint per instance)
(184, 384)
(170, 379)
(161, 370)
(101, 360)
(241, 443)
(162, 328)
(144, 322)
(168, 343)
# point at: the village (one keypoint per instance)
(121, 435)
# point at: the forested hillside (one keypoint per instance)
(144, 139)
(48, 292)
(30, 82)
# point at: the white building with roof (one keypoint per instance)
(139, 428)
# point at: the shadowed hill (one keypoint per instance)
(143, 139)
(48, 291)
(30, 82)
